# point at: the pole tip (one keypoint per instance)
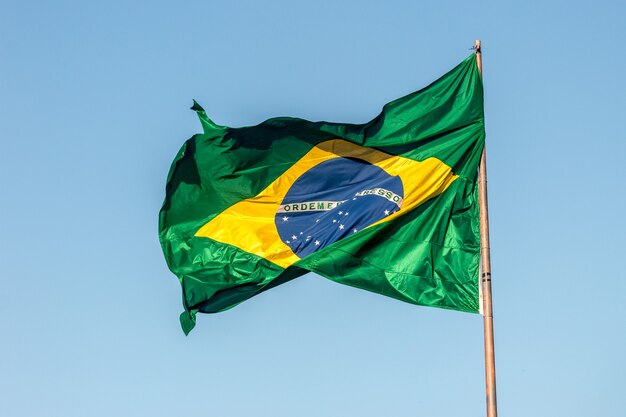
(477, 46)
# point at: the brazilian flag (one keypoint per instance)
(389, 206)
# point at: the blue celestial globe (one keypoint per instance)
(333, 200)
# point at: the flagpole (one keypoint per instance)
(490, 362)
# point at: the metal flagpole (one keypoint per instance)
(490, 362)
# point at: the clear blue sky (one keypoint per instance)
(94, 100)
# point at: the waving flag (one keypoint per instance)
(389, 206)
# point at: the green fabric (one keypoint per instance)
(428, 256)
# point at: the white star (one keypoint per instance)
(287, 242)
(317, 220)
(317, 243)
(347, 212)
(307, 239)
(334, 221)
(341, 227)
(294, 237)
(301, 233)
(354, 230)
(386, 212)
(341, 212)
(285, 218)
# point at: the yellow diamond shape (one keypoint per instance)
(249, 224)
